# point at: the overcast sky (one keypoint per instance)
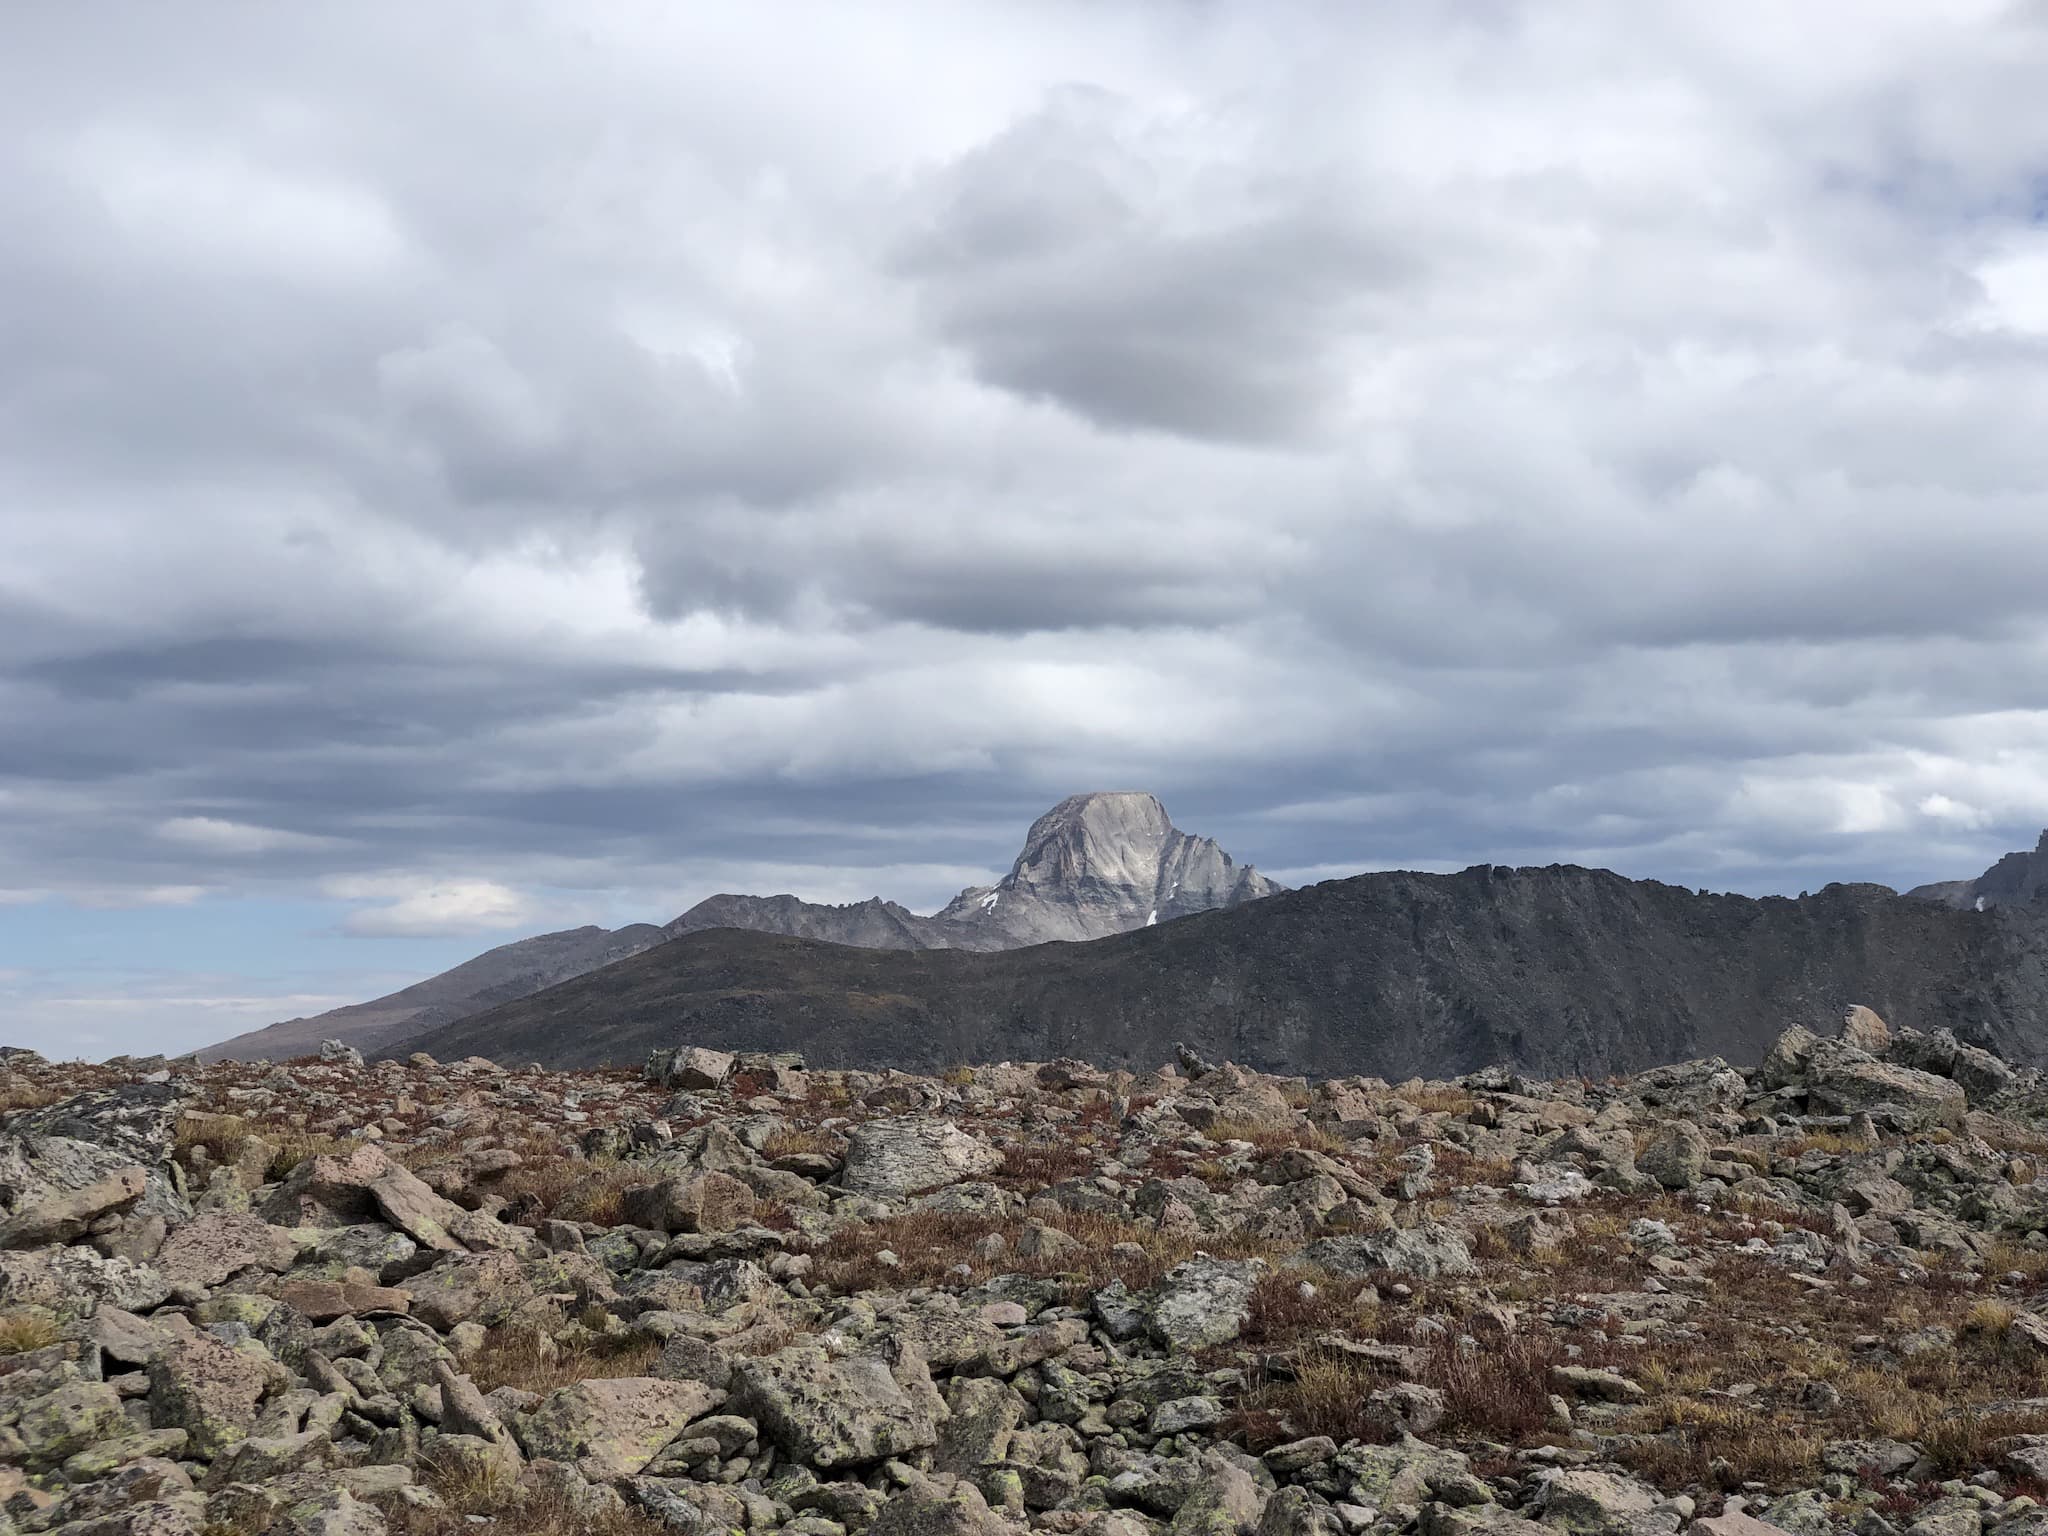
(473, 468)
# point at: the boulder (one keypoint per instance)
(1675, 1156)
(1426, 1252)
(940, 1508)
(1862, 1028)
(908, 1154)
(834, 1413)
(1199, 1302)
(75, 1416)
(1844, 1082)
(701, 1202)
(1596, 1503)
(1785, 1063)
(208, 1389)
(692, 1067)
(208, 1249)
(612, 1427)
(78, 1280)
(60, 1217)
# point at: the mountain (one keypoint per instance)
(2016, 878)
(870, 924)
(1093, 865)
(495, 976)
(1559, 970)
(1100, 864)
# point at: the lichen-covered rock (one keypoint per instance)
(1844, 1082)
(58, 1218)
(1676, 1155)
(76, 1281)
(1590, 1503)
(208, 1389)
(835, 1413)
(1426, 1251)
(69, 1420)
(613, 1427)
(1200, 1302)
(209, 1248)
(910, 1154)
(941, 1508)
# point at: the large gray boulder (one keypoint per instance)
(1424, 1251)
(78, 1281)
(835, 1413)
(1200, 1302)
(1843, 1081)
(1676, 1155)
(612, 1427)
(912, 1153)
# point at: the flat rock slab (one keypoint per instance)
(613, 1428)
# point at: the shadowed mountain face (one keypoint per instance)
(1093, 865)
(496, 976)
(1559, 970)
(2016, 878)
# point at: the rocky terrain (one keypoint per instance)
(728, 1293)
(1555, 971)
(1094, 865)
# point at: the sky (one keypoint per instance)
(477, 468)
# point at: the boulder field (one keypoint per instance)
(730, 1293)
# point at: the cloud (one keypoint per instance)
(1511, 432)
(215, 835)
(417, 906)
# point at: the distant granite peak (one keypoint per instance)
(1099, 864)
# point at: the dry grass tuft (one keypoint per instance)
(21, 1332)
(532, 1360)
(575, 1188)
(1440, 1099)
(1044, 1163)
(1323, 1392)
(1281, 1314)
(17, 1093)
(223, 1137)
(796, 1141)
(1500, 1390)
(501, 1506)
(295, 1146)
(1269, 1138)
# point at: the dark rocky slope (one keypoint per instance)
(495, 976)
(1560, 970)
(2016, 879)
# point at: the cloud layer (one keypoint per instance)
(476, 467)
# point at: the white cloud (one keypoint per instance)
(211, 834)
(137, 896)
(422, 905)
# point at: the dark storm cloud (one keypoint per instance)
(453, 456)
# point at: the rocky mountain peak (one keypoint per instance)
(2017, 878)
(1098, 864)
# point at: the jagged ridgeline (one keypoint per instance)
(1552, 970)
(1094, 865)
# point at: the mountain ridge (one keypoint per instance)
(1551, 969)
(1095, 864)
